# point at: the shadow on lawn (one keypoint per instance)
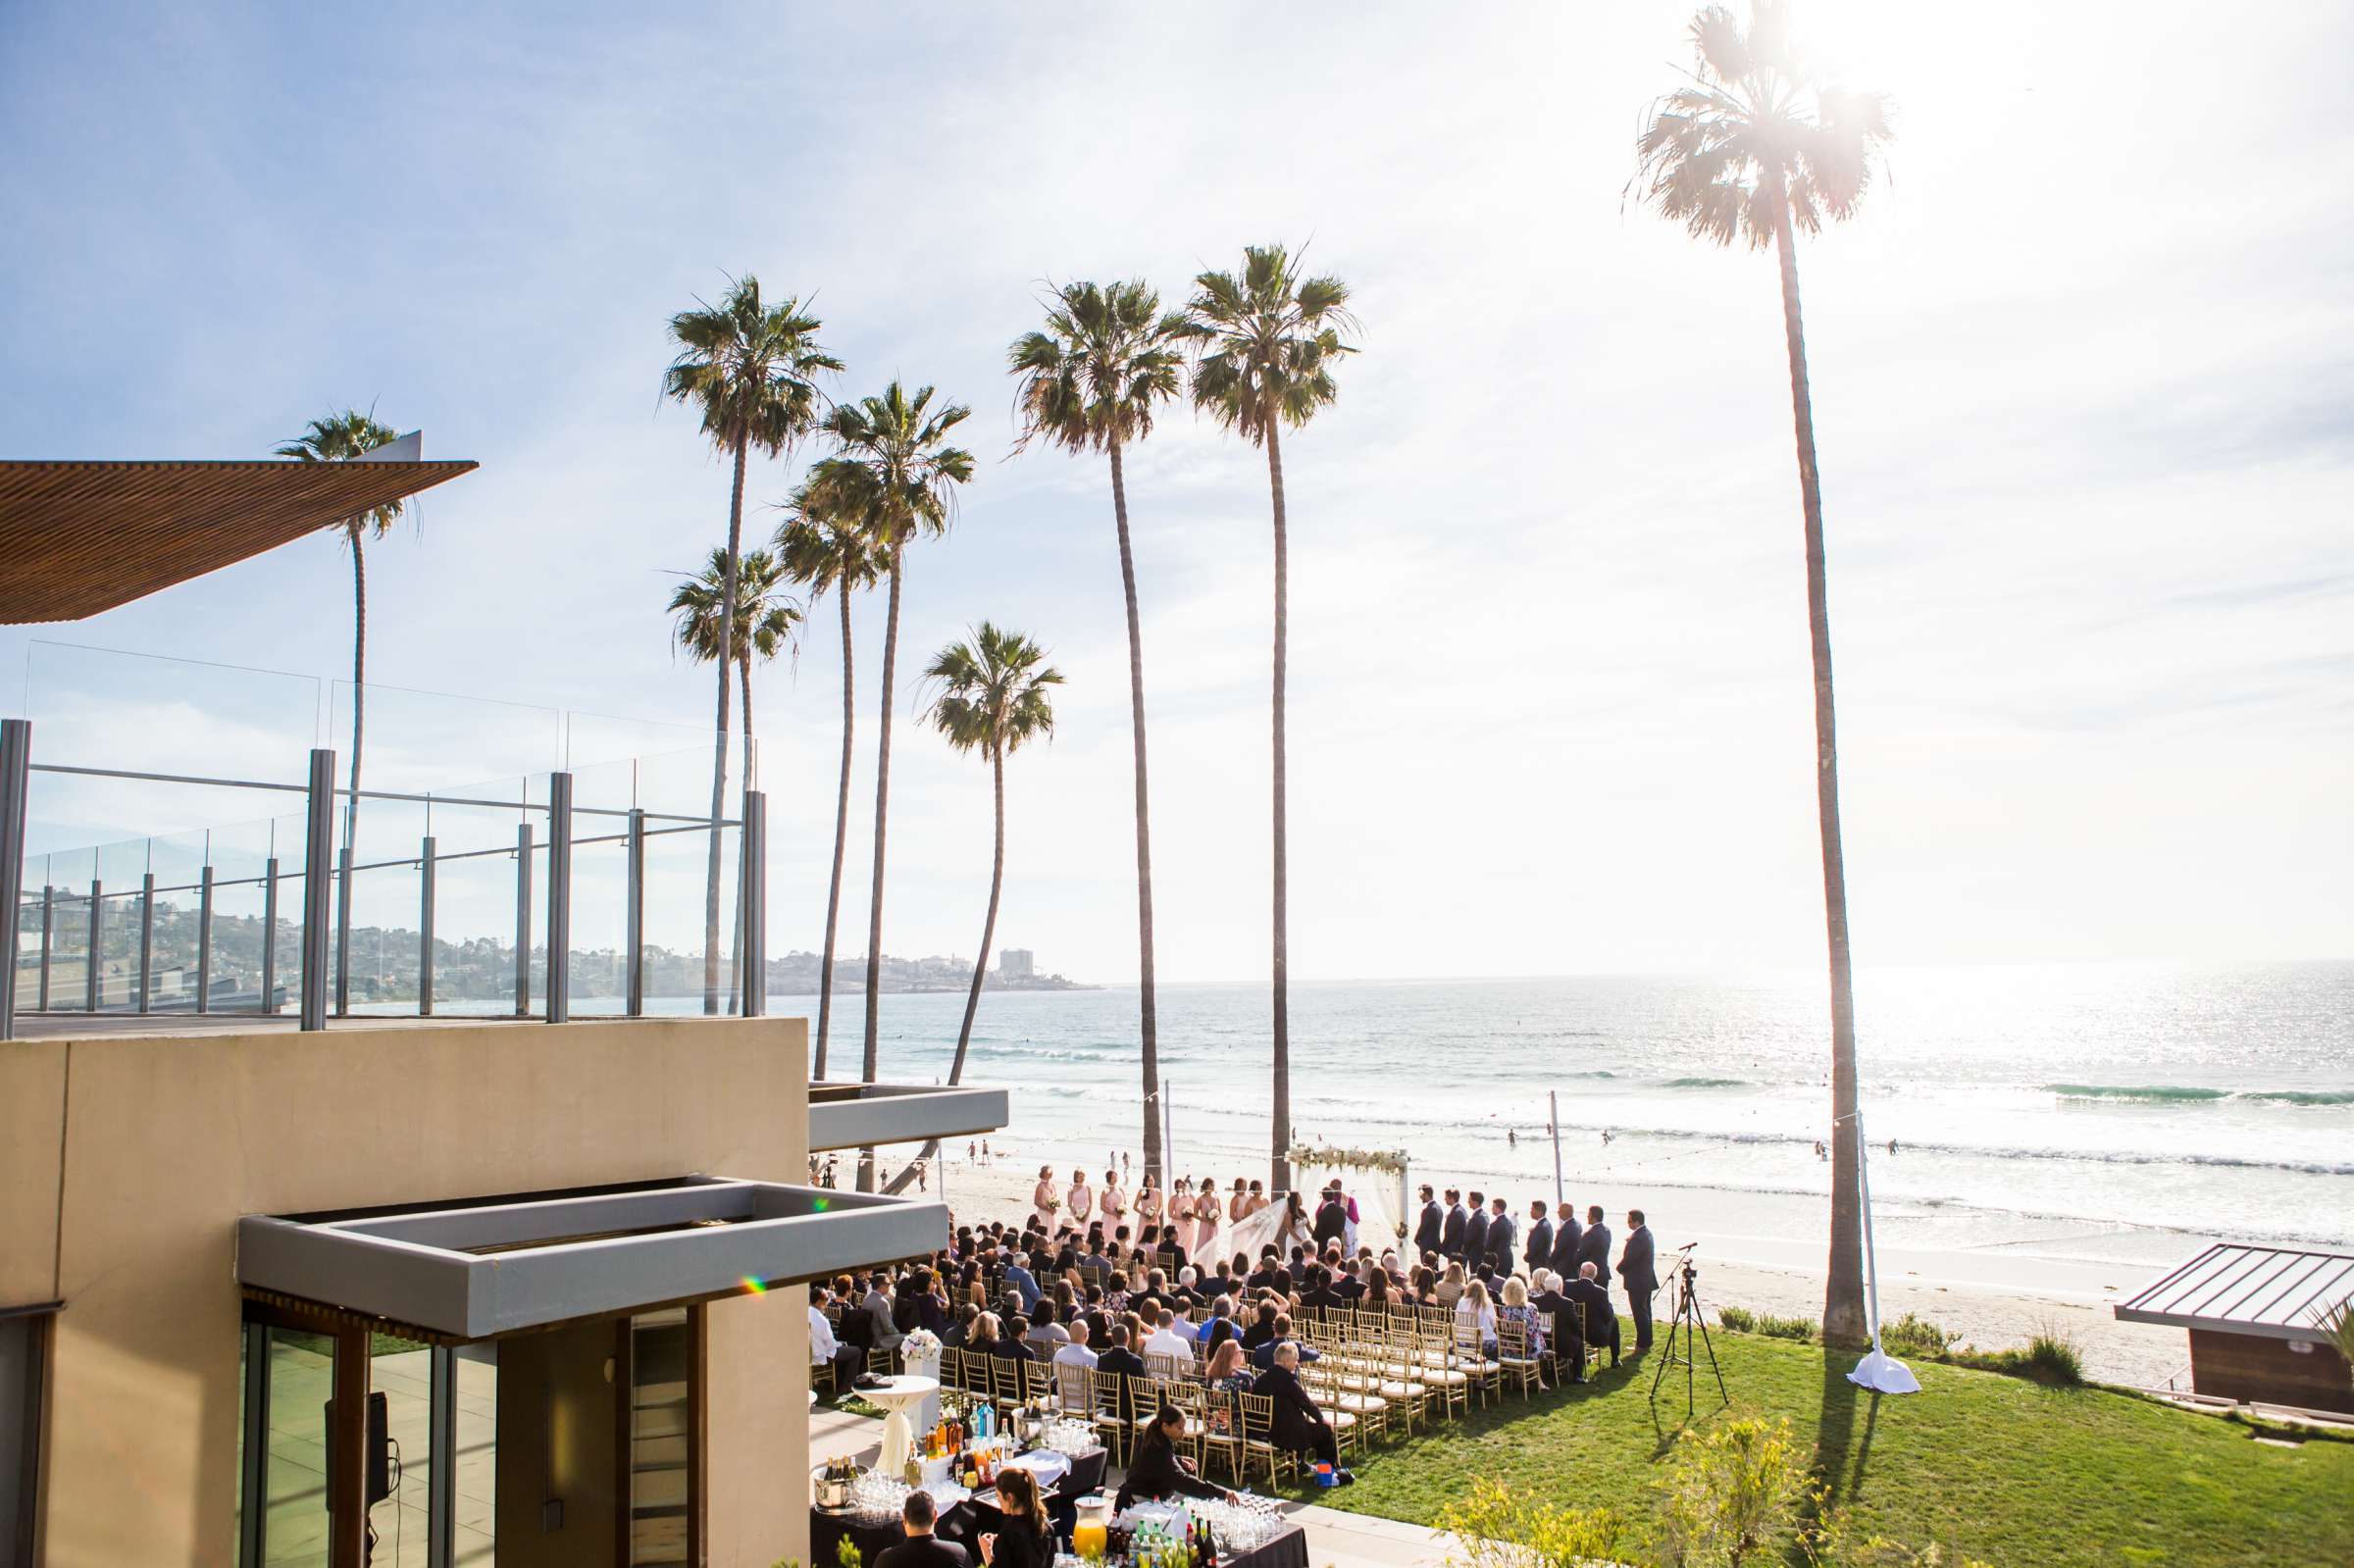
(1840, 1453)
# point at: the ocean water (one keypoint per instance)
(2166, 1097)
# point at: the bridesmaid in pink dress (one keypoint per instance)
(1181, 1214)
(1208, 1211)
(1147, 1205)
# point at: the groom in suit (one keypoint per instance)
(1635, 1272)
(1430, 1229)
(1452, 1243)
(1540, 1239)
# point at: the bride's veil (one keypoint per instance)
(1263, 1230)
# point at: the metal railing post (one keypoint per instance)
(559, 898)
(146, 938)
(344, 934)
(522, 921)
(48, 938)
(634, 915)
(425, 931)
(318, 848)
(91, 994)
(270, 935)
(753, 896)
(204, 940)
(16, 769)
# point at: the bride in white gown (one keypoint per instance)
(1281, 1226)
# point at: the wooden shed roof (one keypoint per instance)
(2273, 1292)
(78, 537)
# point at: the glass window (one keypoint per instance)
(23, 1346)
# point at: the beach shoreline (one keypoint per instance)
(1996, 1281)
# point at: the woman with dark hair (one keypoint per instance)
(1023, 1538)
(1157, 1470)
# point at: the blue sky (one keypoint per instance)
(2081, 369)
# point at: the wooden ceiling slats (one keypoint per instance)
(78, 537)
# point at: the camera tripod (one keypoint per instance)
(1688, 1321)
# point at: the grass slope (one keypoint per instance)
(1997, 1467)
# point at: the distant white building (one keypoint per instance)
(1016, 963)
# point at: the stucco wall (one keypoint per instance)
(168, 1139)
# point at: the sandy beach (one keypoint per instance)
(1764, 1251)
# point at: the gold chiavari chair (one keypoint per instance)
(1259, 1437)
(1515, 1358)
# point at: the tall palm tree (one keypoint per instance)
(892, 469)
(1265, 341)
(752, 368)
(338, 438)
(824, 548)
(1090, 382)
(992, 698)
(763, 624)
(1757, 149)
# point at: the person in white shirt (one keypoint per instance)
(1166, 1340)
(1076, 1353)
(848, 1359)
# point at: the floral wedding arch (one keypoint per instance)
(1375, 1177)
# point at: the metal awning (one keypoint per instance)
(2272, 1292)
(78, 537)
(871, 1115)
(482, 1267)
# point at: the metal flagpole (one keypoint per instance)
(1878, 1370)
(1553, 1098)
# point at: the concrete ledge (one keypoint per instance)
(864, 1115)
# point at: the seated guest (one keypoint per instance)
(1229, 1369)
(1157, 1471)
(1320, 1296)
(1449, 1289)
(1264, 1355)
(1076, 1353)
(1115, 1293)
(882, 1312)
(1023, 1538)
(1020, 1281)
(1422, 1285)
(961, 1332)
(1166, 1340)
(848, 1359)
(1046, 1336)
(1011, 1344)
(1262, 1327)
(1263, 1277)
(1220, 1325)
(1474, 1318)
(1567, 1330)
(1300, 1427)
(1122, 1357)
(1516, 1309)
(1600, 1322)
(921, 1549)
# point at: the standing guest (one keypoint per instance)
(1082, 1199)
(1567, 1335)
(921, 1549)
(1300, 1426)
(1043, 1201)
(1114, 1200)
(1563, 1261)
(1635, 1273)
(1475, 1235)
(1502, 1237)
(1538, 1255)
(1023, 1538)
(1431, 1228)
(1602, 1324)
(1595, 1245)
(1450, 1239)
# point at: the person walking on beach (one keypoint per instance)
(1636, 1273)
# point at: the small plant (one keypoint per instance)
(1495, 1527)
(1733, 1494)
(1741, 1320)
(1774, 1328)
(848, 1554)
(1839, 1543)
(2339, 1323)
(2052, 1358)
(1916, 1336)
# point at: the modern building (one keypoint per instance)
(1016, 963)
(286, 1285)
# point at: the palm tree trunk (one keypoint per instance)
(842, 829)
(735, 940)
(1281, 1109)
(874, 917)
(1148, 1023)
(1843, 1298)
(989, 922)
(719, 745)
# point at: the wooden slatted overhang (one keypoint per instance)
(78, 538)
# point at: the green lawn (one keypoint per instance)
(1994, 1467)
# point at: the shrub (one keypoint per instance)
(1839, 1543)
(1497, 1526)
(2052, 1358)
(1916, 1336)
(1733, 1494)
(1774, 1328)
(1740, 1320)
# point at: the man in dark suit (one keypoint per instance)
(921, 1549)
(1538, 1254)
(1502, 1237)
(1595, 1245)
(1635, 1272)
(1431, 1228)
(1602, 1324)
(1475, 1235)
(1569, 1323)
(1450, 1240)
(1122, 1359)
(1332, 1217)
(1563, 1261)
(1321, 1296)
(1298, 1425)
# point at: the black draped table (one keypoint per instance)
(1286, 1550)
(967, 1522)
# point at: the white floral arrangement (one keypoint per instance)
(922, 1342)
(1389, 1162)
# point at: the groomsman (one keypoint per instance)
(1595, 1245)
(1475, 1235)
(1431, 1228)
(1565, 1244)
(1501, 1237)
(1457, 1222)
(1539, 1254)
(1635, 1272)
